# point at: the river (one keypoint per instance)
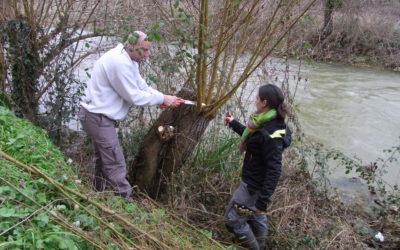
(352, 109)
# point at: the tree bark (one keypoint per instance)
(330, 7)
(159, 159)
(6, 12)
(24, 64)
(327, 29)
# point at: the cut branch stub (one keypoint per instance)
(165, 132)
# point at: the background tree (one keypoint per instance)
(41, 46)
(330, 7)
(6, 12)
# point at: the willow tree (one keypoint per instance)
(233, 39)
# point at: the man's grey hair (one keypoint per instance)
(136, 37)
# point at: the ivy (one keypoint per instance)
(24, 62)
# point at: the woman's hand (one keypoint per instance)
(258, 211)
(228, 118)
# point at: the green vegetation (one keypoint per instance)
(57, 210)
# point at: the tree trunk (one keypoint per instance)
(24, 59)
(330, 7)
(327, 29)
(6, 12)
(3, 69)
(163, 154)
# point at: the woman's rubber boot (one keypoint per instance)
(247, 241)
(260, 236)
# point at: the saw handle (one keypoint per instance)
(163, 106)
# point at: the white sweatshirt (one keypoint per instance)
(115, 84)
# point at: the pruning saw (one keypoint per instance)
(183, 101)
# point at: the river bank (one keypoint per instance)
(304, 211)
(360, 60)
(46, 203)
(301, 216)
(363, 33)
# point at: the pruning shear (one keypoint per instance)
(183, 101)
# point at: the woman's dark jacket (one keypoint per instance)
(263, 159)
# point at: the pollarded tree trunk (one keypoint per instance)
(162, 154)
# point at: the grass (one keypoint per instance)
(51, 207)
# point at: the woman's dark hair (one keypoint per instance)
(274, 97)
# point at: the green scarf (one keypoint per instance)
(256, 121)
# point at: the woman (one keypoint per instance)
(264, 139)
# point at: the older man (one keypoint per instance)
(114, 86)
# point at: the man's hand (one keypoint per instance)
(228, 118)
(171, 101)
